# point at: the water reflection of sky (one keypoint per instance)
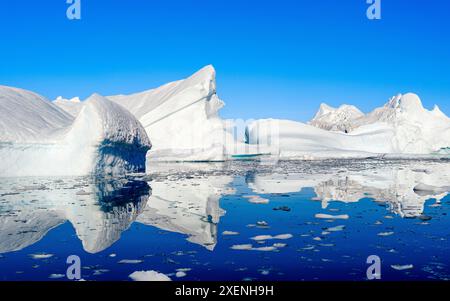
(232, 221)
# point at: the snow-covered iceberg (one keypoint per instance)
(401, 127)
(181, 118)
(37, 138)
(336, 119)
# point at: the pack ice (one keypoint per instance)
(401, 128)
(38, 138)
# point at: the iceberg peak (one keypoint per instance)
(324, 109)
(340, 119)
(406, 102)
(72, 100)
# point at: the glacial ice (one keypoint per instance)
(402, 128)
(181, 118)
(37, 138)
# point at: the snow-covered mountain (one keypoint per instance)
(401, 127)
(38, 138)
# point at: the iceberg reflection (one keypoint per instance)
(404, 188)
(99, 210)
(188, 204)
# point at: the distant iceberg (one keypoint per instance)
(403, 127)
(37, 138)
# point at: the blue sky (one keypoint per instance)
(273, 58)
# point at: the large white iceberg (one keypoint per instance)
(181, 118)
(37, 138)
(403, 127)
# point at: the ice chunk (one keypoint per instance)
(149, 276)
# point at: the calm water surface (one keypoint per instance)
(233, 221)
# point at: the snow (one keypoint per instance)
(148, 276)
(402, 127)
(39, 139)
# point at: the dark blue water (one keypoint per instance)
(167, 227)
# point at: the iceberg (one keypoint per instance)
(340, 119)
(181, 118)
(401, 128)
(38, 138)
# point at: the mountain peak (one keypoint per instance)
(406, 102)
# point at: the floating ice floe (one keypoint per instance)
(130, 261)
(385, 233)
(229, 233)
(402, 267)
(56, 276)
(255, 199)
(328, 216)
(41, 256)
(270, 237)
(148, 276)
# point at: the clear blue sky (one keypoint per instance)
(278, 58)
